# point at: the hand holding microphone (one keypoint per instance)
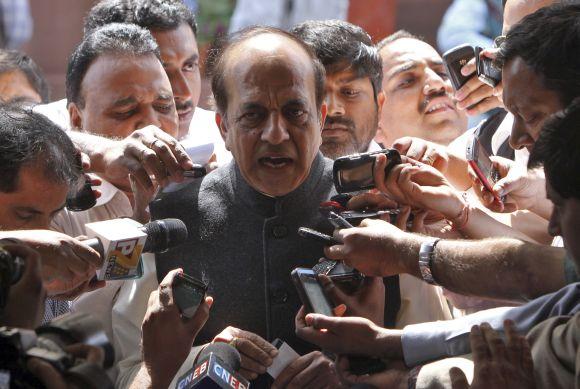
(120, 243)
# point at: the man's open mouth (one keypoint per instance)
(275, 162)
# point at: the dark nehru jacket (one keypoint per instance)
(245, 244)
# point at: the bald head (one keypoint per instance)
(258, 46)
(516, 10)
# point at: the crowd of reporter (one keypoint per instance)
(450, 281)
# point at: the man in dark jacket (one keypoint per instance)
(243, 218)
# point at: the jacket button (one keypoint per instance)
(280, 231)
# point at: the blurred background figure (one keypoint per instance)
(21, 80)
(476, 22)
(285, 13)
(15, 23)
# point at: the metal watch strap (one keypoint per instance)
(425, 260)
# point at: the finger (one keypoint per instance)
(527, 361)
(89, 353)
(142, 177)
(334, 294)
(164, 153)
(314, 374)
(479, 348)
(166, 289)
(249, 375)
(403, 217)
(87, 254)
(300, 319)
(458, 379)
(514, 349)
(379, 172)
(495, 343)
(46, 374)
(419, 222)
(471, 85)
(199, 318)
(484, 106)
(251, 365)
(468, 68)
(320, 322)
(85, 162)
(402, 144)
(153, 165)
(291, 371)
(176, 149)
(475, 97)
(370, 200)
(253, 351)
(336, 252)
(417, 150)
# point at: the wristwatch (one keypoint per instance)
(426, 259)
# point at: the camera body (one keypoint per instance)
(48, 343)
(11, 270)
(354, 173)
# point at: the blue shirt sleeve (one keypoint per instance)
(430, 341)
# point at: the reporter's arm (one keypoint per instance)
(520, 270)
(516, 270)
(429, 341)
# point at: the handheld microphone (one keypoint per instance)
(120, 243)
(216, 369)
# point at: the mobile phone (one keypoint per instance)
(338, 221)
(354, 173)
(456, 58)
(344, 276)
(188, 293)
(479, 160)
(318, 236)
(310, 291)
(487, 72)
(81, 197)
(197, 171)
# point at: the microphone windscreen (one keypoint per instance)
(226, 353)
(163, 234)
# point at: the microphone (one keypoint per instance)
(120, 243)
(216, 369)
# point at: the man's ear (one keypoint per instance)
(323, 112)
(75, 116)
(379, 136)
(380, 102)
(223, 127)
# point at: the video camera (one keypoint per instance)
(48, 343)
(11, 270)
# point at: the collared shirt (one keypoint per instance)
(16, 23)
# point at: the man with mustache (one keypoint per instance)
(418, 93)
(353, 85)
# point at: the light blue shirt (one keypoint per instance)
(430, 341)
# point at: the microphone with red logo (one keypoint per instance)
(217, 369)
(120, 243)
